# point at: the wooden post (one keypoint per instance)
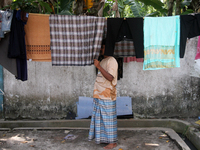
(170, 7)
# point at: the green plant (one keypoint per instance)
(37, 6)
(142, 8)
(66, 7)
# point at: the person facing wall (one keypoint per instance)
(103, 125)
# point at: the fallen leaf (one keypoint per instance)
(198, 122)
(63, 141)
(24, 142)
(167, 141)
(32, 145)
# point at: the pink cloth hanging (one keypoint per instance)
(198, 50)
(129, 59)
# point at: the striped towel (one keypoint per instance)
(103, 125)
(75, 40)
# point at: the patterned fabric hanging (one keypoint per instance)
(75, 40)
(161, 42)
(38, 37)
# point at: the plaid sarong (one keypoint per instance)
(75, 40)
(124, 48)
(103, 125)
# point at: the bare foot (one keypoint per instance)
(110, 146)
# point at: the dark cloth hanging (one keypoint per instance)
(120, 61)
(189, 28)
(119, 29)
(7, 63)
(17, 48)
(22, 73)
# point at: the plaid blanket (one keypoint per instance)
(75, 40)
(103, 125)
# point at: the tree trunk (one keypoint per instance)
(93, 11)
(1, 3)
(178, 7)
(7, 2)
(195, 4)
(79, 7)
(170, 7)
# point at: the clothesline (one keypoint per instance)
(76, 40)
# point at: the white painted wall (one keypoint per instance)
(52, 91)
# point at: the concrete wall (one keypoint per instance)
(51, 92)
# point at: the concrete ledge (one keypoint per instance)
(178, 126)
(193, 136)
(175, 124)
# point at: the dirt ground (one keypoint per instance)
(77, 139)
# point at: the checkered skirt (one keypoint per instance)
(103, 125)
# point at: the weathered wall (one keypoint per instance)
(51, 92)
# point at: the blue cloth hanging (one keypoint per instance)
(161, 42)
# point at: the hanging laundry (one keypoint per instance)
(17, 43)
(198, 49)
(195, 69)
(7, 63)
(124, 48)
(17, 48)
(37, 37)
(6, 20)
(75, 40)
(129, 29)
(161, 42)
(129, 59)
(189, 28)
(120, 68)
